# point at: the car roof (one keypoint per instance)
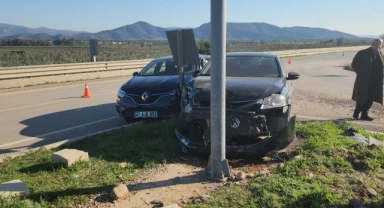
(263, 54)
(249, 54)
(164, 58)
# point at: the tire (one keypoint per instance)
(129, 120)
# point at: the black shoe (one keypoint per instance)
(366, 118)
(356, 114)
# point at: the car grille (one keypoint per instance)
(204, 104)
(150, 100)
(230, 105)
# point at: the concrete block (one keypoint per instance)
(13, 188)
(69, 156)
(172, 206)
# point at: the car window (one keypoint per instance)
(248, 66)
(160, 68)
(149, 69)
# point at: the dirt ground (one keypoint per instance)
(183, 180)
(310, 105)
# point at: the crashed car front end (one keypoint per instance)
(254, 127)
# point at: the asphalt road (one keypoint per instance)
(32, 118)
(324, 90)
(324, 73)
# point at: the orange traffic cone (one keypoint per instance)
(289, 60)
(87, 94)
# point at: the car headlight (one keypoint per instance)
(121, 93)
(274, 101)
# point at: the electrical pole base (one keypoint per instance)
(225, 171)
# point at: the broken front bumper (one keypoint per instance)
(277, 141)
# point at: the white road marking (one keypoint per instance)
(309, 117)
(48, 103)
(40, 137)
(57, 144)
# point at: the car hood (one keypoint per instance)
(151, 84)
(240, 88)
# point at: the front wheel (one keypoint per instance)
(184, 125)
(129, 120)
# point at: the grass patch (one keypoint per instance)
(332, 170)
(142, 146)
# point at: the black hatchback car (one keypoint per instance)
(154, 91)
(258, 106)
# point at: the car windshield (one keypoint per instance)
(164, 68)
(160, 68)
(248, 66)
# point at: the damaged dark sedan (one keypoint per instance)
(153, 93)
(258, 106)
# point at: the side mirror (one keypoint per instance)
(135, 73)
(202, 63)
(293, 76)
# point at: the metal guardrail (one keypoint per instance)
(10, 73)
(66, 69)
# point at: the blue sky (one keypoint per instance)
(352, 16)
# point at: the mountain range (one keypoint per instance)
(144, 31)
(11, 30)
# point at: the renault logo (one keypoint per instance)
(144, 96)
(234, 122)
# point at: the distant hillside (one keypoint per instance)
(138, 30)
(309, 32)
(12, 30)
(37, 36)
(248, 31)
(235, 31)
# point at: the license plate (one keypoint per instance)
(145, 114)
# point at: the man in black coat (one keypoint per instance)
(368, 87)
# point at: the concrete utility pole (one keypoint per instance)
(218, 165)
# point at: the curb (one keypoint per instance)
(350, 121)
